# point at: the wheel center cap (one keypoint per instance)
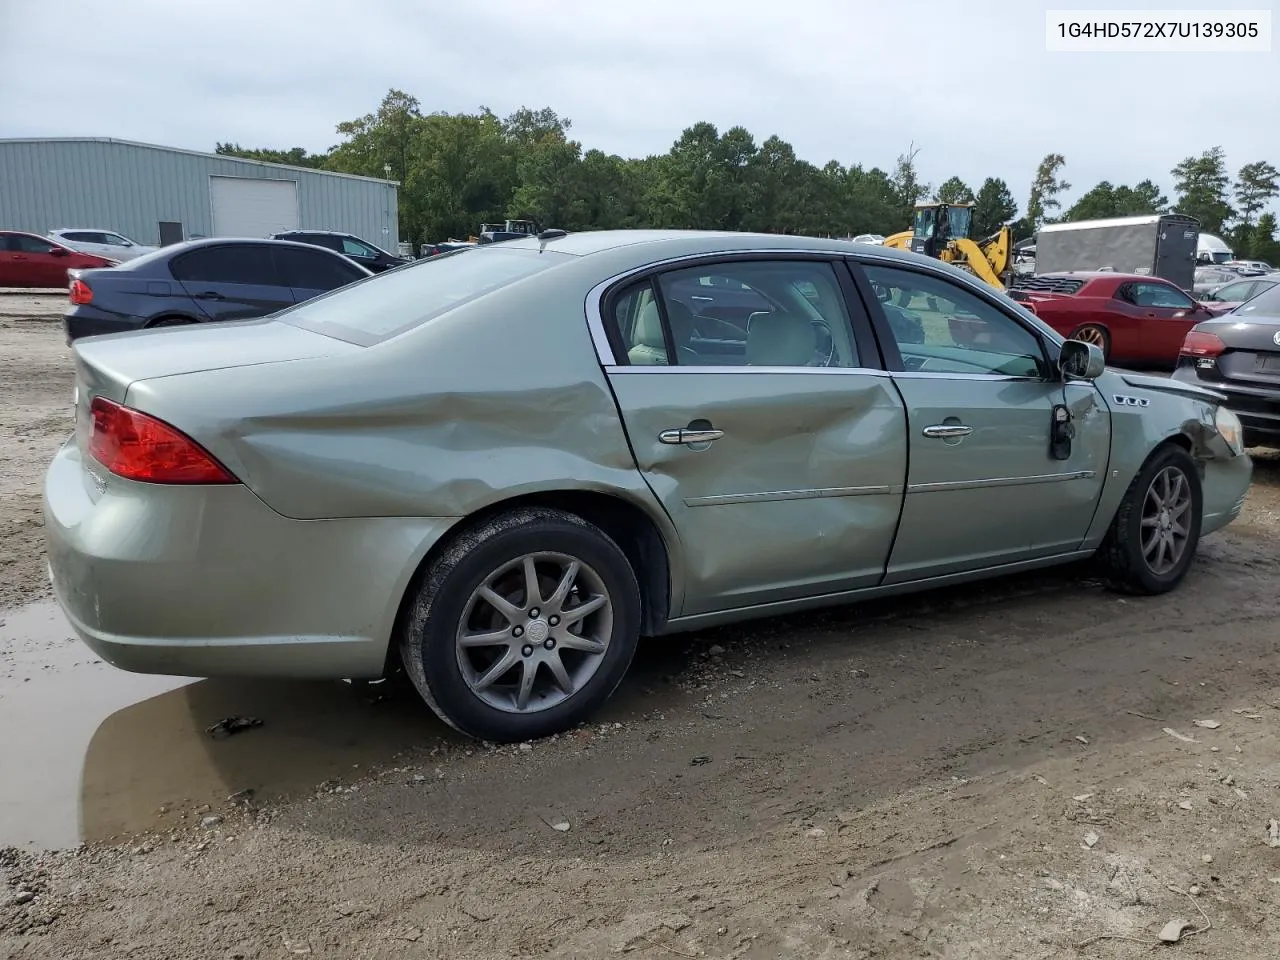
(537, 630)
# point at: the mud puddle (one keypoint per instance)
(90, 752)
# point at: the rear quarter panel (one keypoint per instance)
(501, 397)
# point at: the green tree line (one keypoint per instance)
(459, 170)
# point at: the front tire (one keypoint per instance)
(523, 627)
(1156, 529)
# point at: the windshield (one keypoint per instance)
(387, 304)
(1222, 257)
(960, 218)
(1266, 303)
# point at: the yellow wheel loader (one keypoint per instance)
(941, 230)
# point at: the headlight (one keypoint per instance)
(1228, 426)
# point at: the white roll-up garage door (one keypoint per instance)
(249, 207)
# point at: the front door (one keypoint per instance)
(780, 458)
(35, 261)
(1162, 314)
(983, 488)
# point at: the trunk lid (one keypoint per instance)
(1168, 385)
(1253, 351)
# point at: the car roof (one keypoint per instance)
(693, 242)
(163, 254)
(1108, 275)
(87, 230)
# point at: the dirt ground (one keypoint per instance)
(1031, 769)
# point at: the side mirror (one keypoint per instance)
(1081, 361)
(59, 252)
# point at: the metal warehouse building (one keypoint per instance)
(155, 194)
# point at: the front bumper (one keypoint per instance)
(1225, 485)
(209, 581)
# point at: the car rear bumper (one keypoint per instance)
(1258, 407)
(209, 581)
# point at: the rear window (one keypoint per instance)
(1266, 304)
(383, 306)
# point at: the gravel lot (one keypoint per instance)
(980, 773)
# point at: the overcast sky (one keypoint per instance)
(855, 80)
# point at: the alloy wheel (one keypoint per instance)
(534, 632)
(1092, 335)
(1166, 516)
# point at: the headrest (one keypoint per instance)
(648, 332)
(780, 340)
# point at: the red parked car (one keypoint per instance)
(1136, 320)
(27, 260)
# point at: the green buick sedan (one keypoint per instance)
(494, 471)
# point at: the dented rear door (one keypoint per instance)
(800, 493)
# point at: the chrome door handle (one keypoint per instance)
(947, 431)
(685, 435)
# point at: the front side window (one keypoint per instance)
(1234, 291)
(1158, 295)
(26, 244)
(314, 269)
(940, 327)
(354, 248)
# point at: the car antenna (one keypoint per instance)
(554, 233)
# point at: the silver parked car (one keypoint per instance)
(502, 466)
(103, 243)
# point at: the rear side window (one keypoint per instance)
(314, 270)
(233, 263)
(391, 303)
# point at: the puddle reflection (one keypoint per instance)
(92, 752)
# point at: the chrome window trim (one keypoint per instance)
(625, 370)
(621, 369)
(1012, 309)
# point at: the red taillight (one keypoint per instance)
(139, 447)
(1197, 344)
(81, 293)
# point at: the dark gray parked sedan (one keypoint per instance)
(1238, 355)
(203, 280)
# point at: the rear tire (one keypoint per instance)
(1156, 530)
(498, 661)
